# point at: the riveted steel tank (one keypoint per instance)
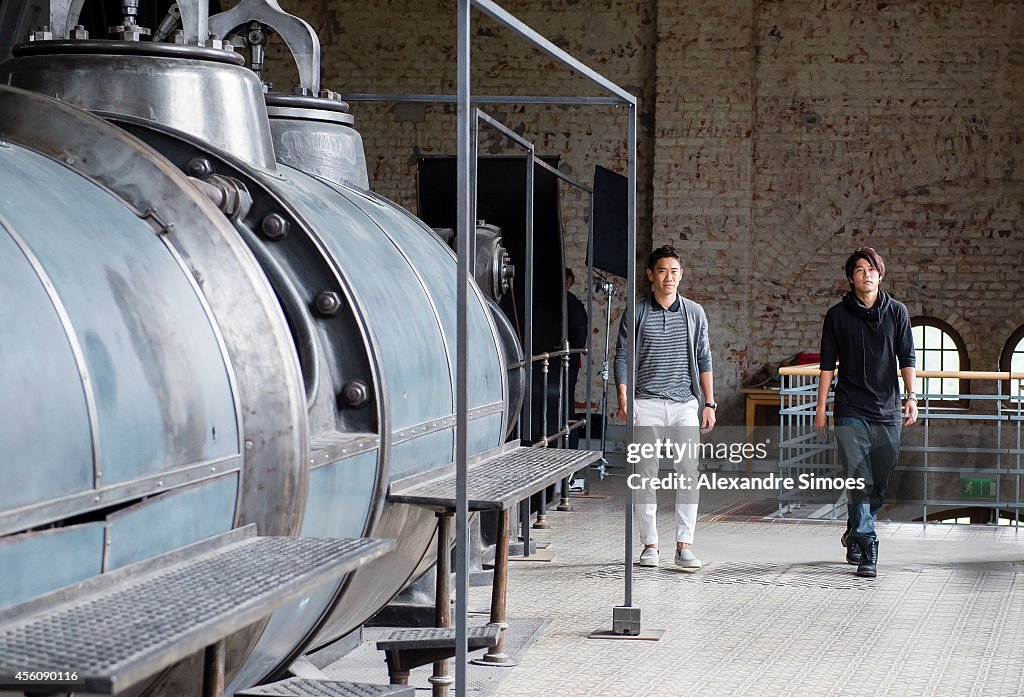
(357, 303)
(150, 384)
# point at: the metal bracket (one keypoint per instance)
(63, 15)
(298, 35)
(195, 21)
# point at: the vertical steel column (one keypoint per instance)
(441, 680)
(466, 232)
(542, 507)
(631, 347)
(524, 506)
(590, 334)
(499, 590)
(999, 448)
(924, 479)
(1017, 501)
(570, 413)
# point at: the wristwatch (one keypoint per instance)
(713, 406)
(911, 396)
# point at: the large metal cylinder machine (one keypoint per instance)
(210, 321)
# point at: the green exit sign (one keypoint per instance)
(977, 488)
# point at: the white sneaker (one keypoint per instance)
(686, 559)
(649, 557)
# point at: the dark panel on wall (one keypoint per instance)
(502, 201)
(610, 221)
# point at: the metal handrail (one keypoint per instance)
(812, 370)
(996, 468)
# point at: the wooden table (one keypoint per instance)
(758, 397)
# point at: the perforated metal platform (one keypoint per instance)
(301, 687)
(497, 482)
(125, 626)
(476, 637)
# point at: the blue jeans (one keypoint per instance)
(869, 451)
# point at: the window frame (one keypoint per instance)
(961, 349)
(1006, 356)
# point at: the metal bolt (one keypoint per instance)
(199, 167)
(79, 32)
(275, 227)
(42, 33)
(328, 303)
(355, 393)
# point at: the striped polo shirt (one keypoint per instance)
(663, 364)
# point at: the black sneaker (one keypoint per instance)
(853, 553)
(869, 564)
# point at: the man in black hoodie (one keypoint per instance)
(869, 333)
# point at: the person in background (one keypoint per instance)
(578, 325)
(868, 333)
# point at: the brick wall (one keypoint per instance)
(775, 137)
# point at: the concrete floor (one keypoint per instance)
(774, 611)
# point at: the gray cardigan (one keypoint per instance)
(699, 349)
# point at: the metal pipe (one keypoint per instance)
(493, 10)
(608, 288)
(563, 176)
(466, 230)
(405, 98)
(590, 334)
(508, 132)
(524, 506)
(631, 346)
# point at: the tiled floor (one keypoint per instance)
(775, 611)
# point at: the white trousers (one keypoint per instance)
(664, 419)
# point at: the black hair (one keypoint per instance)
(664, 252)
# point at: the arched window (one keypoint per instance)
(939, 347)
(1012, 359)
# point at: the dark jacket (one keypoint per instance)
(699, 346)
(871, 345)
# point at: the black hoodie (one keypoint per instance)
(872, 344)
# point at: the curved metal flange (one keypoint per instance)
(298, 35)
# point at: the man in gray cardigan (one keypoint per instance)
(674, 397)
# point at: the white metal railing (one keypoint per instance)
(968, 455)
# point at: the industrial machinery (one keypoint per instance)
(210, 321)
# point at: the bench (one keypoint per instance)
(495, 481)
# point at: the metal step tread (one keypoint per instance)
(439, 638)
(303, 687)
(127, 625)
(496, 482)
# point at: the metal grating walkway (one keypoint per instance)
(301, 687)
(497, 482)
(124, 626)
